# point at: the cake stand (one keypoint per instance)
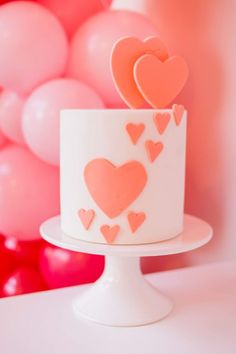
(122, 296)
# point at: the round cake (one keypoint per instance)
(123, 174)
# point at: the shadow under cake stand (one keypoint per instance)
(122, 296)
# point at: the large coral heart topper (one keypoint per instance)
(114, 188)
(125, 53)
(144, 74)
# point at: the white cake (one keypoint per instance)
(123, 174)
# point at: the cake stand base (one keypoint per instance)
(122, 296)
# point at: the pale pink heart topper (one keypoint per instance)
(126, 51)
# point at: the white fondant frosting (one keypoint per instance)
(87, 135)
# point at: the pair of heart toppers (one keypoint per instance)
(144, 73)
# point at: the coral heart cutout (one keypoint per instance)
(125, 53)
(86, 217)
(110, 232)
(161, 121)
(160, 82)
(114, 188)
(135, 131)
(178, 111)
(153, 149)
(136, 220)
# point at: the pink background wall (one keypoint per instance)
(204, 32)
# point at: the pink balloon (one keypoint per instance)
(3, 140)
(41, 114)
(11, 105)
(29, 193)
(72, 13)
(33, 46)
(89, 55)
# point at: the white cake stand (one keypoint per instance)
(122, 296)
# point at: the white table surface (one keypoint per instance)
(203, 321)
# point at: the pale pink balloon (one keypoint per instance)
(89, 55)
(41, 114)
(33, 46)
(11, 105)
(72, 13)
(29, 192)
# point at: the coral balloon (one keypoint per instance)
(29, 193)
(11, 105)
(21, 252)
(60, 267)
(41, 114)
(33, 46)
(21, 281)
(90, 50)
(72, 13)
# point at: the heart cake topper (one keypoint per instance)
(160, 82)
(143, 73)
(125, 53)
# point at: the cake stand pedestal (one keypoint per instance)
(122, 296)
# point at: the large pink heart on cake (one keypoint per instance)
(160, 82)
(114, 188)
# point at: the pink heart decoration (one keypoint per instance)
(136, 220)
(110, 232)
(125, 53)
(178, 111)
(114, 188)
(161, 121)
(153, 149)
(86, 217)
(160, 82)
(135, 131)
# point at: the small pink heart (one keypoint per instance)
(136, 220)
(160, 82)
(110, 232)
(153, 149)
(178, 111)
(135, 131)
(86, 217)
(124, 54)
(161, 121)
